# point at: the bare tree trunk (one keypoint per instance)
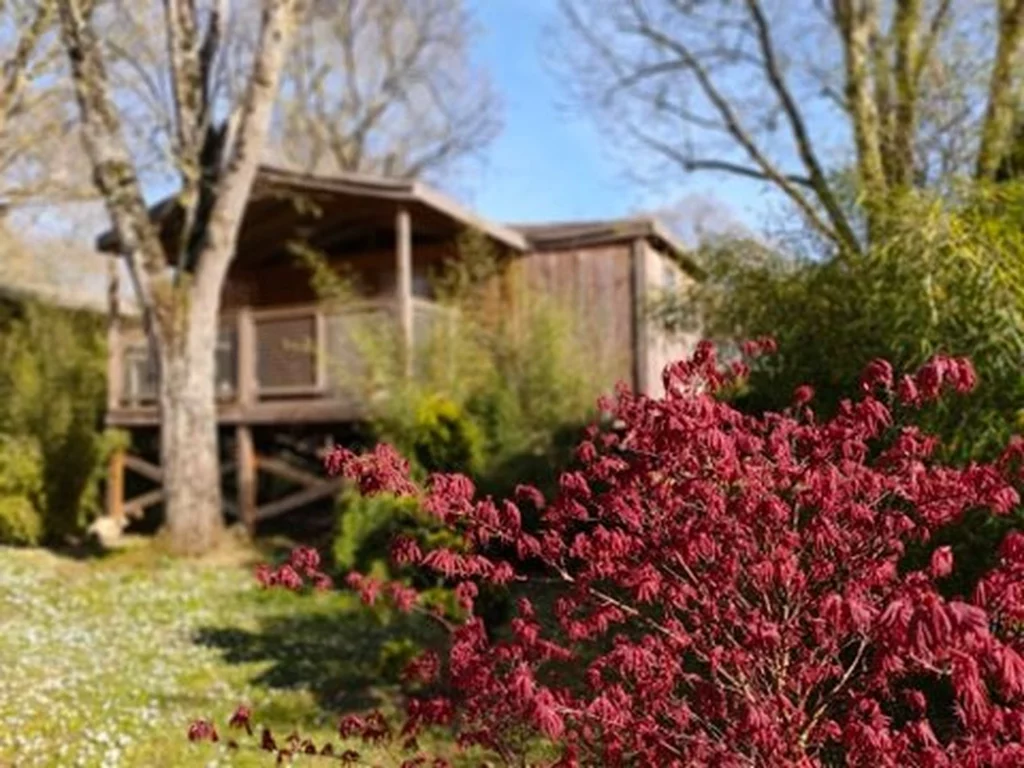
(188, 440)
(181, 311)
(858, 23)
(997, 128)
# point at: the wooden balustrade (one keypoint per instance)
(278, 354)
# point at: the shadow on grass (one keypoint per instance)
(349, 659)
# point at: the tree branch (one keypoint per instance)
(931, 38)
(243, 154)
(858, 24)
(907, 20)
(14, 68)
(104, 141)
(733, 126)
(693, 164)
(803, 141)
(187, 89)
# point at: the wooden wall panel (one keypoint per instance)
(594, 284)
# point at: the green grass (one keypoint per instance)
(105, 662)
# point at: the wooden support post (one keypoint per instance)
(246, 460)
(246, 384)
(403, 283)
(115, 485)
(115, 352)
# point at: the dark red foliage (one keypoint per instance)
(242, 719)
(202, 730)
(730, 589)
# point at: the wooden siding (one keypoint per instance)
(595, 284)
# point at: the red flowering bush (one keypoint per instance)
(729, 589)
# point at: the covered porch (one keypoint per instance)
(284, 356)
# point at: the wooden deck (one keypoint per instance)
(287, 366)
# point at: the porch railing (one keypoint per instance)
(294, 352)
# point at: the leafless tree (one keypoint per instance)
(384, 87)
(214, 144)
(698, 218)
(35, 121)
(791, 94)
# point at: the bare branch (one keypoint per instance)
(405, 100)
(815, 172)
(735, 128)
(14, 69)
(694, 164)
(104, 141)
(938, 22)
(243, 154)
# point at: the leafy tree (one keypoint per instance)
(948, 280)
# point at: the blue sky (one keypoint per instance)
(549, 164)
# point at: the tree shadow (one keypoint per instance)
(349, 660)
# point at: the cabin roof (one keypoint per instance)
(350, 202)
(349, 198)
(581, 234)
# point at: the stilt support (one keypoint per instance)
(246, 460)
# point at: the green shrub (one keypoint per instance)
(947, 278)
(21, 491)
(52, 394)
(366, 525)
(19, 521)
(498, 397)
(444, 438)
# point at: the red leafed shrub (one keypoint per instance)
(729, 589)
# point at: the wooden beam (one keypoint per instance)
(403, 283)
(246, 459)
(144, 468)
(115, 351)
(287, 471)
(317, 410)
(137, 506)
(299, 499)
(246, 357)
(115, 485)
(322, 349)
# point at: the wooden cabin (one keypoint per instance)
(276, 336)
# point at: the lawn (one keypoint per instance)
(106, 661)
